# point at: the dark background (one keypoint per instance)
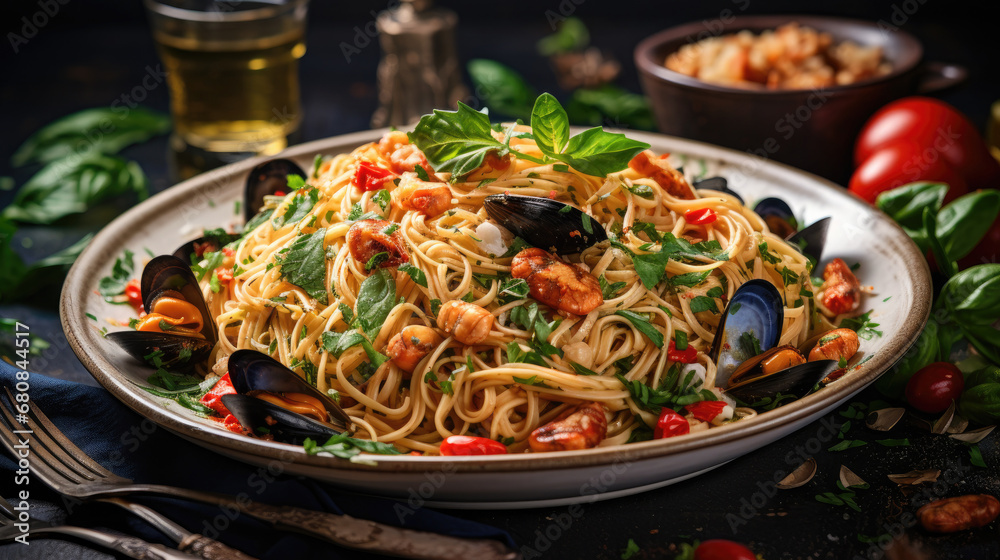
(92, 52)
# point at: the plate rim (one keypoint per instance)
(101, 367)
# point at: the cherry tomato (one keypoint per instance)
(224, 273)
(134, 294)
(706, 411)
(902, 163)
(369, 177)
(687, 356)
(472, 445)
(700, 216)
(934, 386)
(931, 123)
(721, 549)
(670, 424)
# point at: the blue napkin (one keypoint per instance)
(136, 448)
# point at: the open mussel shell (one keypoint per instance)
(265, 180)
(167, 273)
(717, 184)
(811, 239)
(778, 215)
(545, 223)
(755, 313)
(796, 380)
(262, 417)
(250, 370)
(204, 244)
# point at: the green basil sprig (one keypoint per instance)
(980, 402)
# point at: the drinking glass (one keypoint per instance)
(232, 69)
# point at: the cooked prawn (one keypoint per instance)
(667, 177)
(411, 344)
(556, 283)
(468, 322)
(841, 291)
(582, 427)
(403, 156)
(430, 198)
(367, 239)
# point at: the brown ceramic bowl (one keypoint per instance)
(814, 130)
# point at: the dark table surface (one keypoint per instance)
(89, 56)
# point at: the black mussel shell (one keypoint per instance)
(167, 272)
(755, 313)
(254, 371)
(214, 241)
(796, 380)
(778, 216)
(266, 179)
(177, 352)
(717, 184)
(545, 223)
(261, 417)
(812, 239)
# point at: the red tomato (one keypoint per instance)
(700, 216)
(687, 356)
(670, 424)
(224, 273)
(902, 163)
(987, 251)
(134, 294)
(931, 124)
(706, 411)
(721, 549)
(369, 177)
(213, 398)
(471, 445)
(934, 386)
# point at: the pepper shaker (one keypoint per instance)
(419, 70)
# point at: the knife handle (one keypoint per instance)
(209, 549)
(362, 534)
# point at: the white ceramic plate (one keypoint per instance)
(889, 261)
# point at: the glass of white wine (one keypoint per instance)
(232, 69)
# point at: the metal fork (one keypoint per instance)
(68, 470)
(11, 529)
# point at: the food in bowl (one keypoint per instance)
(790, 57)
(515, 284)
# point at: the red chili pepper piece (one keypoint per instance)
(224, 273)
(134, 294)
(471, 445)
(670, 424)
(369, 177)
(213, 398)
(233, 425)
(688, 355)
(701, 216)
(706, 411)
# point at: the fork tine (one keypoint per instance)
(7, 510)
(63, 442)
(48, 468)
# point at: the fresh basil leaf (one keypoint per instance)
(924, 351)
(986, 340)
(533, 381)
(610, 104)
(651, 268)
(337, 343)
(948, 267)
(345, 447)
(598, 153)
(582, 370)
(105, 131)
(980, 402)
(501, 89)
(549, 125)
(46, 276)
(121, 273)
(414, 273)
(376, 298)
(300, 205)
(456, 141)
(608, 290)
(643, 325)
(906, 204)
(262, 217)
(571, 36)
(73, 186)
(689, 279)
(964, 222)
(375, 357)
(863, 325)
(973, 295)
(305, 264)
(703, 303)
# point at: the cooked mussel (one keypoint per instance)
(545, 223)
(279, 401)
(268, 178)
(769, 373)
(177, 328)
(717, 184)
(781, 221)
(750, 324)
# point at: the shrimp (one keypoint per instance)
(469, 323)
(367, 240)
(841, 291)
(582, 427)
(402, 156)
(667, 177)
(557, 284)
(411, 344)
(429, 198)
(838, 344)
